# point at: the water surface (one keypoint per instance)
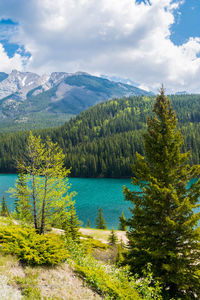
(92, 194)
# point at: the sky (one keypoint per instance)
(148, 42)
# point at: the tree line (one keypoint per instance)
(102, 141)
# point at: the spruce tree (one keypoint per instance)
(112, 238)
(72, 224)
(23, 207)
(100, 220)
(4, 208)
(88, 223)
(122, 223)
(119, 256)
(164, 226)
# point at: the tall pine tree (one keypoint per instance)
(164, 227)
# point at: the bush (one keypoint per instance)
(107, 280)
(110, 281)
(90, 244)
(31, 248)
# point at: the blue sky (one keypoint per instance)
(7, 27)
(187, 22)
(149, 42)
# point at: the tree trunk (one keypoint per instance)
(42, 227)
(34, 205)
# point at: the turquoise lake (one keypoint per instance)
(92, 193)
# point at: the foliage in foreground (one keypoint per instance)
(164, 228)
(31, 248)
(110, 281)
(42, 188)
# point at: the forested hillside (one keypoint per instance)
(103, 140)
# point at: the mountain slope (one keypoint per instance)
(103, 140)
(23, 94)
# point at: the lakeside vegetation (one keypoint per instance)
(161, 258)
(102, 141)
(32, 265)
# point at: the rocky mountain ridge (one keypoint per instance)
(20, 83)
(24, 93)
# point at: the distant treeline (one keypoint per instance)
(103, 140)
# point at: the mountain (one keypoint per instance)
(102, 141)
(25, 95)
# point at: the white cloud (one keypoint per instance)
(115, 37)
(7, 64)
(144, 87)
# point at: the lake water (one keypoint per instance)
(92, 194)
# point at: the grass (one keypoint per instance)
(28, 283)
(18, 281)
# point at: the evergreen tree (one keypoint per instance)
(88, 223)
(72, 224)
(119, 256)
(112, 238)
(122, 223)
(122, 244)
(100, 220)
(164, 227)
(23, 208)
(104, 139)
(4, 208)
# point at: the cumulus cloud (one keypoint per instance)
(118, 38)
(7, 64)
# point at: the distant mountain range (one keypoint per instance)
(24, 93)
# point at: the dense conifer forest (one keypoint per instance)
(102, 141)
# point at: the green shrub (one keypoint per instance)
(147, 287)
(31, 248)
(107, 280)
(91, 244)
(110, 281)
